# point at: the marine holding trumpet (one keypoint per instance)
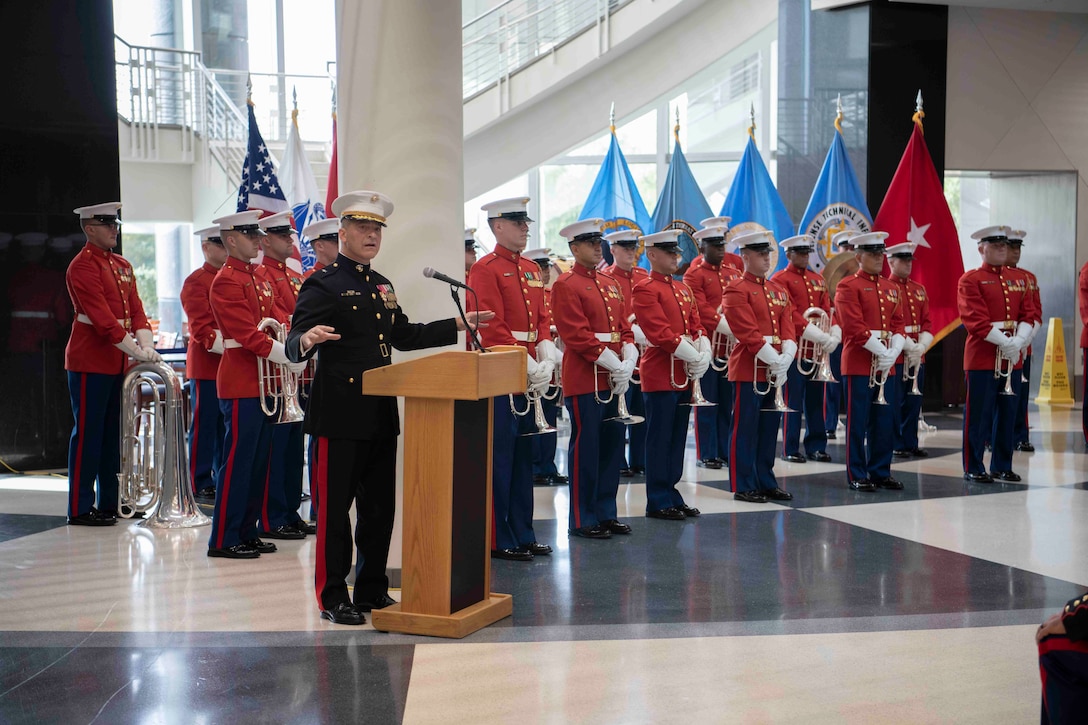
(761, 316)
(810, 374)
(677, 358)
(998, 310)
(588, 312)
(910, 367)
(868, 308)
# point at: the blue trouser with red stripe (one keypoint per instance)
(94, 451)
(594, 458)
(868, 428)
(667, 415)
(544, 445)
(241, 487)
(988, 413)
(906, 409)
(1063, 668)
(282, 493)
(636, 434)
(713, 426)
(205, 435)
(833, 393)
(1020, 423)
(805, 396)
(512, 475)
(751, 459)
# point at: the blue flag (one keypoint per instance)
(753, 204)
(681, 206)
(260, 188)
(837, 203)
(615, 198)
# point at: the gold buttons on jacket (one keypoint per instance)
(351, 380)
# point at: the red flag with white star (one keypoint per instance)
(915, 210)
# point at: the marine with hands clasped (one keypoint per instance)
(544, 469)
(588, 310)
(678, 352)
(1020, 421)
(910, 367)
(834, 393)
(348, 314)
(109, 328)
(761, 317)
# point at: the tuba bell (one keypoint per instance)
(154, 459)
(276, 381)
(810, 359)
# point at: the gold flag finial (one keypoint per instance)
(919, 114)
(676, 128)
(838, 113)
(612, 118)
(752, 122)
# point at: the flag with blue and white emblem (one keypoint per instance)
(301, 190)
(681, 205)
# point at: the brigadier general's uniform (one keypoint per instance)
(355, 430)
(108, 314)
(917, 337)
(713, 424)
(513, 288)
(666, 310)
(205, 350)
(803, 393)
(997, 310)
(588, 310)
(760, 315)
(867, 306)
(635, 461)
(1020, 435)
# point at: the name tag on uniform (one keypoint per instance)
(351, 293)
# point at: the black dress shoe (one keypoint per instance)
(690, 511)
(379, 602)
(238, 551)
(670, 513)
(795, 458)
(537, 549)
(1005, 476)
(305, 496)
(1025, 446)
(721, 460)
(113, 514)
(750, 496)
(343, 613)
(863, 484)
(287, 531)
(92, 518)
(597, 531)
(889, 483)
(541, 480)
(901, 453)
(832, 435)
(709, 463)
(638, 470)
(261, 547)
(626, 473)
(617, 527)
(208, 493)
(919, 453)
(305, 527)
(978, 477)
(777, 494)
(558, 480)
(820, 456)
(511, 555)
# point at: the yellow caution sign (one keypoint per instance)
(1055, 387)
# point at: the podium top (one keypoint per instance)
(455, 375)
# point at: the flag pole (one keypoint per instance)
(838, 113)
(249, 90)
(612, 118)
(294, 102)
(919, 114)
(752, 122)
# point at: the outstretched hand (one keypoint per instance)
(476, 320)
(317, 335)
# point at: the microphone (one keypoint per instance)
(435, 274)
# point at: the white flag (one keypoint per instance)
(297, 180)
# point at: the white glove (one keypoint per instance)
(897, 343)
(875, 346)
(686, 351)
(925, 340)
(146, 340)
(297, 367)
(546, 350)
(767, 354)
(620, 377)
(836, 334)
(609, 360)
(630, 352)
(640, 336)
(128, 346)
(780, 368)
(621, 388)
(815, 335)
(723, 327)
(558, 359)
(698, 369)
(886, 361)
(217, 343)
(1034, 331)
(789, 349)
(914, 357)
(541, 378)
(278, 354)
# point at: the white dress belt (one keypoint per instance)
(881, 334)
(87, 320)
(522, 336)
(607, 336)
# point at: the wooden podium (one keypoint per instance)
(446, 568)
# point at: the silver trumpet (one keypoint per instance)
(697, 399)
(877, 378)
(1003, 368)
(154, 459)
(910, 373)
(810, 359)
(779, 404)
(622, 414)
(276, 382)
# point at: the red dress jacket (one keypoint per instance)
(806, 289)
(200, 362)
(665, 309)
(513, 288)
(241, 297)
(107, 306)
(987, 295)
(914, 304)
(757, 309)
(587, 308)
(286, 283)
(863, 303)
(708, 283)
(1036, 299)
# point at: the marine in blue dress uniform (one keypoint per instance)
(833, 392)
(544, 469)
(917, 338)
(1020, 422)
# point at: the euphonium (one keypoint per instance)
(697, 399)
(813, 360)
(877, 378)
(622, 414)
(277, 382)
(154, 460)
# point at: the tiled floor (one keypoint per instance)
(912, 606)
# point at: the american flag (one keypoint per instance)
(260, 187)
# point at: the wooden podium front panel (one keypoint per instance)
(469, 576)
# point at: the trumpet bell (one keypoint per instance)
(697, 399)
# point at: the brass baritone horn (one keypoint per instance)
(154, 457)
(276, 382)
(810, 359)
(622, 414)
(697, 399)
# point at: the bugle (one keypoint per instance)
(721, 364)
(779, 404)
(910, 373)
(1003, 368)
(877, 378)
(697, 399)
(812, 360)
(535, 403)
(276, 382)
(622, 414)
